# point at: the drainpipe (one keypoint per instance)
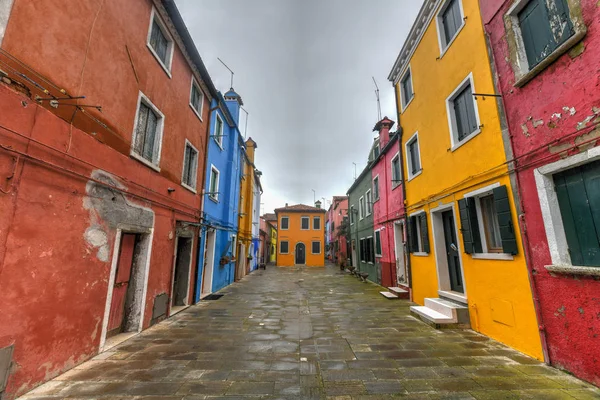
(401, 131)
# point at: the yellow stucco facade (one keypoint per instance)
(244, 237)
(495, 285)
(302, 245)
(273, 235)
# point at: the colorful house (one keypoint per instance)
(216, 260)
(467, 260)
(271, 220)
(301, 236)
(546, 59)
(336, 215)
(388, 208)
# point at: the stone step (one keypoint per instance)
(449, 308)
(401, 293)
(389, 295)
(432, 316)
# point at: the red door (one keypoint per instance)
(122, 276)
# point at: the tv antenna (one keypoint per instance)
(354, 170)
(378, 101)
(225, 65)
(246, 127)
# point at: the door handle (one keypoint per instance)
(453, 247)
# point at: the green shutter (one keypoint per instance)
(413, 243)
(469, 225)
(507, 230)
(424, 233)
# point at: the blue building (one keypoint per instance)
(216, 261)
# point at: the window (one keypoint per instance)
(449, 22)
(219, 131)
(196, 99)
(233, 245)
(376, 188)
(351, 215)
(396, 173)
(376, 151)
(316, 247)
(378, 243)
(160, 42)
(190, 166)
(361, 208)
(284, 247)
(369, 200)
(367, 254)
(406, 89)
(462, 109)
(285, 223)
(413, 157)
(147, 136)
(486, 222)
(213, 188)
(317, 223)
(418, 235)
(305, 223)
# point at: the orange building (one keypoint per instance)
(301, 235)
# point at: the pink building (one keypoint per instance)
(338, 211)
(388, 207)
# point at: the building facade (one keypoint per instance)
(301, 236)
(99, 208)
(271, 220)
(466, 253)
(546, 65)
(336, 215)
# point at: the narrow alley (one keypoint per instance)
(308, 333)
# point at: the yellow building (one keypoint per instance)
(301, 236)
(467, 262)
(273, 254)
(246, 210)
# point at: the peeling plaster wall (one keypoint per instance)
(561, 100)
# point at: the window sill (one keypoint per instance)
(196, 112)
(492, 256)
(144, 161)
(465, 140)
(407, 104)
(445, 49)
(420, 254)
(456, 296)
(573, 270)
(411, 177)
(188, 187)
(219, 144)
(213, 199)
(163, 66)
(396, 185)
(525, 77)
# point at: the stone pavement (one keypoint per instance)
(309, 333)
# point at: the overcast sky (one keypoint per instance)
(303, 69)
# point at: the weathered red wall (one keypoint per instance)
(570, 306)
(53, 284)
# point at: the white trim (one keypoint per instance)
(403, 103)
(454, 142)
(368, 194)
(301, 218)
(375, 243)
(186, 301)
(160, 125)
(314, 218)
(551, 215)
(280, 243)
(295, 255)
(185, 185)
(360, 213)
(5, 9)
(209, 262)
(440, 26)
(413, 138)
(352, 215)
(456, 296)
(170, 46)
(311, 247)
(378, 188)
(484, 190)
(214, 196)
(281, 223)
(199, 89)
(420, 254)
(220, 136)
(398, 181)
(492, 256)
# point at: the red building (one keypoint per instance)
(546, 62)
(336, 215)
(388, 207)
(97, 193)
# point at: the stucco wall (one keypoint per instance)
(295, 235)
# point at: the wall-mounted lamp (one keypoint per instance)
(170, 190)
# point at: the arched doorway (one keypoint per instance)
(300, 253)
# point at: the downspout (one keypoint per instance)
(400, 132)
(387, 209)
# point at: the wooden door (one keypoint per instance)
(300, 253)
(454, 270)
(116, 317)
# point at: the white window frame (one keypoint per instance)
(142, 98)
(170, 47)
(523, 72)
(440, 26)
(288, 223)
(214, 196)
(369, 204)
(282, 242)
(419, 253)
(301, 219)
(197, 112)
(396, 183)
(233, 245)
(361, 202)
(311, 247)
(485, 254)
(403, 103)
(373, 249)
(377, 233)
(220, 137)
(185, 185)
(414, 137)
(378, 188)
(552, 217)
(313, 223)
(455, 144)
(352, 215)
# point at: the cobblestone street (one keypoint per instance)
(296, 333)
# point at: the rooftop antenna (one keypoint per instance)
(246, 127)
(225, 65)
(378, 101)
(354, 170)
(314, 195)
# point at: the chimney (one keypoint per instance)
(383, 127)
(233, 101)
(250, 148)
(286, 204)
(318, 204)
